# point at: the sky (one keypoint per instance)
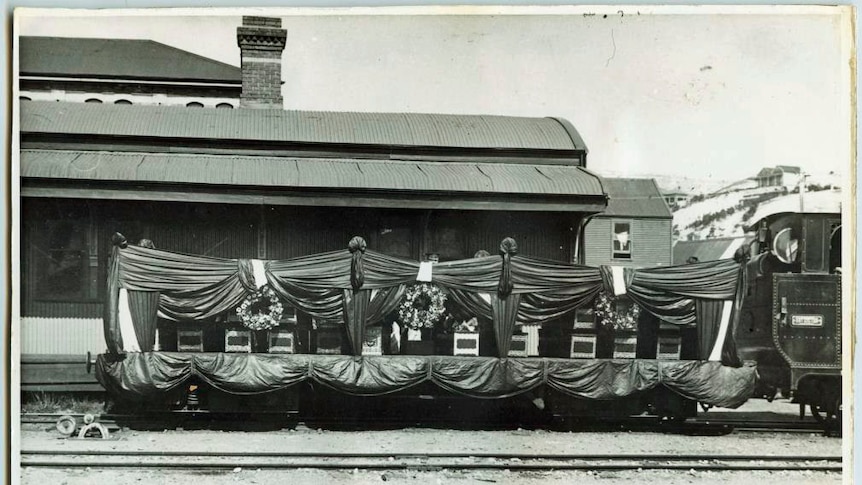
(704, 96)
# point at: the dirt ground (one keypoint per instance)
(419, 440)
(317, 477)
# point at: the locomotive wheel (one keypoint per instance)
(817, 412)
(828, 415)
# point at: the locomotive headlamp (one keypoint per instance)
(785, 247)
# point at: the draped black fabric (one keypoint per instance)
(111, 322)
(712, 280)
(691, 294)
(469, 304)
(357, 248)
(191, 287)
(729, 355)
(383, 302)
(355, 310)
(709, 318)
(144, 307)
(505, 310)
(141, 375)
(198, 287)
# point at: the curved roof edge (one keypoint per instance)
(251, 125)
(577, 140)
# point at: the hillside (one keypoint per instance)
(723, 215)
(727, 210)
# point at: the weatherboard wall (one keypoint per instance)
(651, 242)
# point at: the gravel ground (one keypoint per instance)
(317, 477)
(421, 440)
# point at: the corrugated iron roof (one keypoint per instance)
(634, 197)
(707, 249)
(391, 129)
(118, 58)
(362, 174)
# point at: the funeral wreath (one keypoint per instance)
(617, 315)
(261, 310)
(423, 305)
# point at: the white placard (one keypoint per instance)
(425, 271)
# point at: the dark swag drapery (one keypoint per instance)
(360, 287)
(143, 374)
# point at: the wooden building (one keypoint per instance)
(636, 228)
(785, 176)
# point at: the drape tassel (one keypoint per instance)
(357, 247)
(508, 248)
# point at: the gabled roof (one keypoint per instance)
(778, 169)
(135, 59)
(634, 197)
(257, 125)
(788, 168)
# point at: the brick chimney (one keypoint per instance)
(261, 41)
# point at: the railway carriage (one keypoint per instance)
(151, 290)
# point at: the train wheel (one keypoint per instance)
(817, 412)
(828, 415)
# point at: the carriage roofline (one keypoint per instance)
(822, 202)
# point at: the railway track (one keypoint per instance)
(697, 425)
(104, 459)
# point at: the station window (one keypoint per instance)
(94, 101)
(224, 105)
(621, 242)
(122, 101)
(194, 104)
(64, 267)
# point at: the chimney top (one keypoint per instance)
(261, 41)
(251, 21)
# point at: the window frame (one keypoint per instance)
(621, 255)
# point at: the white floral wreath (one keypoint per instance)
(422, 307)
(608, 315)
(261, 310)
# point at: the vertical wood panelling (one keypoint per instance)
(206, 229)
(62, 335)
(300, 231)
(538, 235)
(651, 242)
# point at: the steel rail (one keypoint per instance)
(690, 425)
(380, 454)
(427, 461)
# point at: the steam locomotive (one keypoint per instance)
(791, 315)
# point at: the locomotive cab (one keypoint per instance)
(791, 316)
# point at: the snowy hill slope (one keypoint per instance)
(722, 215)
(728, 214)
